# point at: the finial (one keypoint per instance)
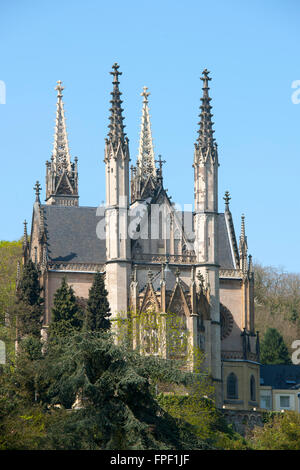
(150, 275)
(205, 78)
(145, 94)
(116, 73)
(177, 274)
(227, 199)
(59, 88)
(160, 164)
(37, 189)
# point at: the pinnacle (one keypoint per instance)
(146, 157)
(61, 154)
(116, 126)
(227, 199)
(205, 138)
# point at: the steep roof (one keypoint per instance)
(226, 259)
(71, 234)
(72, 237)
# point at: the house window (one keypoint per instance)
(284, 401)
(232, 386)
(252, 389)
(265, 402)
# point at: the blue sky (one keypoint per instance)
(252, 51)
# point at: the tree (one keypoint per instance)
(113, 389)
(98, 310)
(29, 302)
(280, 432)
(66, 313)
(273, 348)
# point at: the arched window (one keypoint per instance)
(252, 389)
(232, 386)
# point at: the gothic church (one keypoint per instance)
(155, 258)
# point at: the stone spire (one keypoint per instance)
(25, 243)
(146, 157)
(61, 173)
(145, 178)
(61, 153)
(116, 127)
(243, 247)
(205, 143)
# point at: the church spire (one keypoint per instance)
(146, 158)
(205, 131)
(61, 173)
(146, 178)
(116, 127)
(205, 144)
(61, 153)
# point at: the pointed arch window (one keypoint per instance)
(252, 388)
(232, 386)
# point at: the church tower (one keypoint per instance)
(61, 173)
(206, 224)
(118, 244)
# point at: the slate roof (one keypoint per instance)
(280, 376)
(72, 238)
(225, 253)
(71, 234)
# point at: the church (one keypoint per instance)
(156, 258)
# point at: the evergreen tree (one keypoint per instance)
(116, 407)
(98, 310)
(66, 313)
(29, 307)
(273, 348)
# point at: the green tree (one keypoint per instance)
(113, 391)
(66, 312)
(273, 348)
(280, 432)
(29, 302)
(98, 311)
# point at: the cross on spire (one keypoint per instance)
(160, 164)
(145, 94)
(59, 88)
(116, 73)
(37, 187)
(227, 199)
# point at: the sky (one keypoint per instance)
(251, 48)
